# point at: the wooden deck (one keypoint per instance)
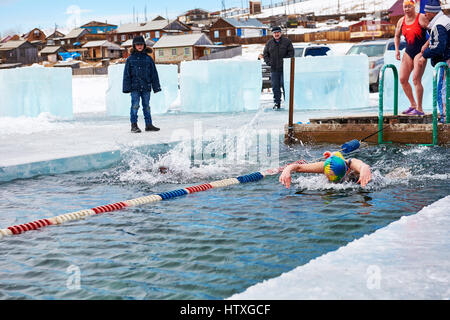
(402, 129)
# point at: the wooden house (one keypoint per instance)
(20, 51)
(75, 38)
(35, 35)
(54, 37)
(174, 49)
(102, 49)
(128, 45)
(195, 15)
(14, 37)
(153, 30)
(242, 28)
(50, 53)
(254, 7)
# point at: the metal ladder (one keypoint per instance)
(435, 95)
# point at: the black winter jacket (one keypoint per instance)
(140, 73)
(275, 52)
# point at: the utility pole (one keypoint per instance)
(223, 7)
(145, 13)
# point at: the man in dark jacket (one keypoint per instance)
(139, 77)
(275, 51)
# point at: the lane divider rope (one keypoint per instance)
(35, 225)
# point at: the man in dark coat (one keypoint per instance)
(139, 78)
(275, 51)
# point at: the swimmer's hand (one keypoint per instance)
(285, 177)
(365, 175)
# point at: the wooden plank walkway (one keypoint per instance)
(402, 129)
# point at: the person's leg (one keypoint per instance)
(276, 87)
(406, 67)
(135, 97)
(147, 113)
(418, 71)
(145, 95)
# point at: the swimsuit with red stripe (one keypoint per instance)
(415, 36)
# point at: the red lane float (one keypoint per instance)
(29, 226)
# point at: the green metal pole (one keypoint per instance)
(381, 94)
(394, 69)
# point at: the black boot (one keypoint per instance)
(276, 106)
(151, 127)
(135, 128)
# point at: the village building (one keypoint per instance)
(242, 28)
(20, 51)
(95, 27)
(34, 35)
(153, 30)
(369, 29)
(75, 38)
(102, 49)
(50, 53)
(14, 37)
(197, 17)
(54, 37)
(174, 49)
(128, 45)
(254, 7)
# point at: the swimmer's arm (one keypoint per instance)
(363, 169)
(285, 177)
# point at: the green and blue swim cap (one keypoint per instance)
(335, 167)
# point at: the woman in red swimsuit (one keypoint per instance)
(413, 27)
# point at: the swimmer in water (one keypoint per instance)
(335, 168)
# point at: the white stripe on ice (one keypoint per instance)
(408, 259)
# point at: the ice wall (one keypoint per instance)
(403, 102)
(408, 259)
(118, 103)
(220, 85)
(30, 91)
(329, 82)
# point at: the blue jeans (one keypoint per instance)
(136, 96)
(277, 84)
